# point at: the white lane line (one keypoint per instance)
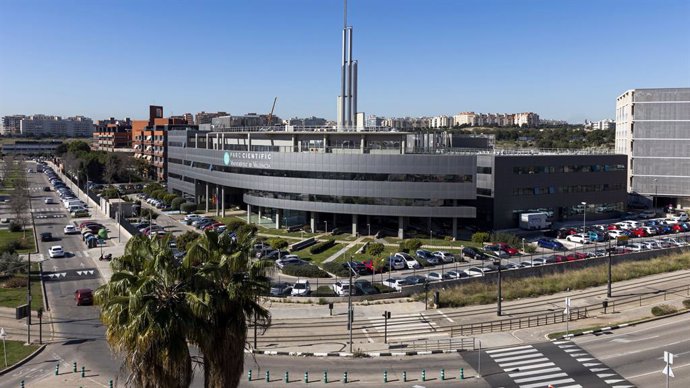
(613, 381)
(535, 366)
(540, 378)
(508, 349)
(371, 341)
(515, 363)
(534, 372)
(604, 375)
(541, 385)
(517, 352)
(571, 386)
(515, 358)
(418, 337)
(445, 316)
(595, 370)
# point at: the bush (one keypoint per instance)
(530, 248)
(15, 282)
(188, 207)
(235, 224)
(322, 246)
(663, 309)
(169, 197)
(374, 249)
(146, 213)
(323, 291)
(11, 263)
(336, 269)
(480, 237)
(686, 303)
(175, 203)
(278, 243)
(507, 238)
(247, 229)
(13, 246)
(410, 245)
(151, 187)
(15, 227)
(305, 271)
(185, 240)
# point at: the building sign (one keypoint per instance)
(247, 159)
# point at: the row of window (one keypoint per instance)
(568, 168)
(348, 176)
(425, 202)
(528, 191)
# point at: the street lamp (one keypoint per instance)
(523, 244)
(656, 192)
(326, 223)
(431, 236)
(497, 263)
(368, 230)
(584, 216)
(350, 313)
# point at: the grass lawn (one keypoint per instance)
(13, 297)
(318, 258)
(17, 351)
(7, 236)
(436, 242)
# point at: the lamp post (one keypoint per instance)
(656, 192)
(326, 223)
(431, 236)
(584, 216)
(497, 263)
(368, 229)
(350, 313)
(523, 244)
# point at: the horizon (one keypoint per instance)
(236, 58)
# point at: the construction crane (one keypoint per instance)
(270, 115)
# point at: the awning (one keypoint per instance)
(137, 146)
(149, 148)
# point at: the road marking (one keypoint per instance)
(544, 377)
(371, 341)
(675, 367)
(445, 316)
(508, 349)
(516, 363)
(541, 385)
(516, 358)
(534, 372)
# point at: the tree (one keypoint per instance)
(146, 312)
(112, 168)
(19, 199)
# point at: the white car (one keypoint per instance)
(437, 276)
(71, 229)
(445, 256)
(648, 214)
(289, 260)
(395, 283)
(456, 274)
(410, 261)
(396, 263)
(674, 242)
(49, 201)
(56, 251)
(301, 288)
(342, 288)
(578, 238)
(474, 272)
(637, 247)
(616, 233)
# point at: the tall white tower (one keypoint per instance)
(347, 101)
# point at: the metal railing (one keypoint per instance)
(517, 323)
(449, 344)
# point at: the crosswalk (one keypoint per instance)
(54, 208)
(530, 368)
(602, 371)
(404, 326)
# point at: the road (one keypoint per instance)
(637, 352)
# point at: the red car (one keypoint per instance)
(508, 249)
(83, 296)
(676, 228)
(639, 232)
(576, 256)
(612, 227)
(369, 265)
(213, 226)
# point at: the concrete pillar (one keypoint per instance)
(401, 227)
(217, 201)
(206, 198)
(222, 199)
(279, 215)
(455, 227)
(354, 225)
(249, 213)
(249, 141)
(362, 141)
(312, 222)
(259, 212)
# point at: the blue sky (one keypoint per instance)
(560, 58)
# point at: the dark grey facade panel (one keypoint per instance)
(670, 94)
(662, 130)
(185, 187)
(661, 149)
(663, 111)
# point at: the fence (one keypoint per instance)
(517, 323)
(128, 226)
(449, 344)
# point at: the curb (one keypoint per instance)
(23, 361)
(347, 354)
(615, 327)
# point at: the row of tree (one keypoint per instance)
(154, 307)
(100, 166)
(15, 182)
(564, 138)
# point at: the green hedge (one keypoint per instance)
(235, 224)
(176, 203)
(686, 303)
(663, 309)
(410, 245)
(336, 269)
(322, 246)
(480, 237)
(188, 207)
(305, 271)
(374, 249)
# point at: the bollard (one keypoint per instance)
(110, 384)
(385, 376)
(404, 376)
(286, 377)
(423, 374)
(57, 369)
(325, 377)
(345, 377)
(306, 377)
(74, 367)
(443, 375)
(268, 376)
(22, 384)
(462, 373)
(83, 371)
(249, 375)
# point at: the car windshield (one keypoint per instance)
(300, 286)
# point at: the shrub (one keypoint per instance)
(151, 187)
(146, 213)
(234, 224)
(336, 269)
(480, 237)
(305, 271)
(322, 246)
(686, 303)
(188, 207)
(15, 227)
(13, 246)
(15, 282)
(530, 248)
(168, 198)
(323, 291)
(410, 245)
(185, 240)
(663, 309)
(382, 288)
(247, 229)
(374, 249)
(11, 263)
(278, 243)
(175, 204)
(507, 238)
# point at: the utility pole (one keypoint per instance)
(498, 305)
(350, 313)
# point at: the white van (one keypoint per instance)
(74, 203)
(76, 208)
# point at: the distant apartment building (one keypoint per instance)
(407, 123)
(113, 135)
(30, 147)
(306, 122)
(653, 130)
(56, 126)
(11, 125)
(248, 120)
(527, 119)
(374, 121)
(149, 140)
(441, 122)
(600, 125)
(206, 117)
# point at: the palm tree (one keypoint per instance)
(145, 310)
(227, 285)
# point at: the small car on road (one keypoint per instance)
(83, 296)
(56, 251)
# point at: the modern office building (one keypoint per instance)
(206, 117)
(30, 148)
(56, 126)
(653, 130)
(11, 125)
(113, 135)
(365, 181)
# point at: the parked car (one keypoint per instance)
(357, 267)
(70, 229)
(46, 236)
(410, 261)
(436, 276)
(343, 288)
(579, 238)
(395, 263)
(550, 244)
(365, 287)
(496, 251)
(56, 251)
(474, 272)
(301, 288)
(474, 253)
(49, 201)
(647, 214)
(507, 248)
(445, 256)
(289, 260)
(456, 274)
(415, 279)
(428, 256)
(83, 296)
(395, 283)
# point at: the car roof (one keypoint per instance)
(83, 290)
